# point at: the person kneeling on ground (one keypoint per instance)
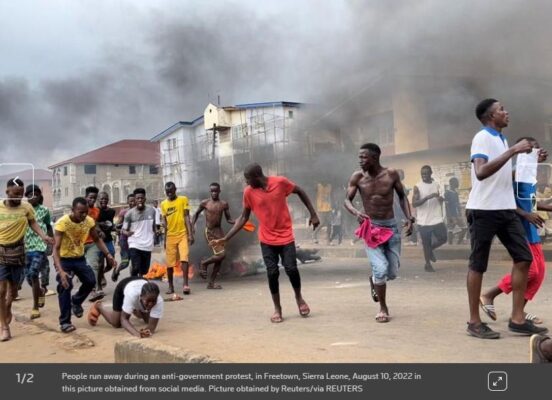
(132, 296)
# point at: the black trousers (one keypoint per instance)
(140, 260)
(271, 256)
(433, 236)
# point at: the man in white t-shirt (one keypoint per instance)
(491, 211)
(428, 202)
(139, 227)
(132, 296)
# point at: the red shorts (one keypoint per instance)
(536, 275)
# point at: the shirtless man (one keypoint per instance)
(377, 185)
(214, 208)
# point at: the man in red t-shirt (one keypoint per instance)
(267, 196)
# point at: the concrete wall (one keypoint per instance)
(150, 351)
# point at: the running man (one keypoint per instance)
(132, 296)
(71, 232)
(139, 228)
(15, 217)
(525, 195)
(35, 248)
(267, 196)
(428, 202)
(453, 210)
(214, 209)
(91, 251)
(491, 211)
(377, 186)
(123, 240)
(105, 228)
(178, 234)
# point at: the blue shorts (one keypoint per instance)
(11, 273)
(385, 259)
(33, 265)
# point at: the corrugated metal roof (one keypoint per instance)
(174, 127)
(122, 152)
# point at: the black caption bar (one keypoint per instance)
(320, 381)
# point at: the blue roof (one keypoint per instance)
(269, 104)
(174, 127)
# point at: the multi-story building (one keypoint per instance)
(117, 169)
(40, 177)
(218, 145)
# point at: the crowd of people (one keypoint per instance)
(501, 204)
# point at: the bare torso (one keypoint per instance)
(214, 210)
(377, 192)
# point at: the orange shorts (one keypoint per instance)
(176, 249)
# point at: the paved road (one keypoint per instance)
(429, 318)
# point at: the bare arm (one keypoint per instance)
(314, 221)
(484, 168)
(352, 188)
(403, 200)
(196, 214)
(101, 245)
(227, 215)
(152, 324)
(57, 260)
(189, 227)
(36, 229)
(125, 323)
(531, 217)
(240, 222)
(417, 201)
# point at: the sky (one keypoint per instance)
(78, 74)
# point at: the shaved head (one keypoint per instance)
(253, 170)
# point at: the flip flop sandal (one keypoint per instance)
(174, 297)
(67, 328)
(304, 310)
(534, 319)
(35, 314)
(97, 296)
(382, 317)
(373, 290)
(214, 286)
(186, 290)
(276, 318)
(93, 314)
(488, 309)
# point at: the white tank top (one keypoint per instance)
(431, 212)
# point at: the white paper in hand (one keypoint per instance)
(526, 167)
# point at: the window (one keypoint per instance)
(290, 114)
(65, 171)
(239, 131)
(66, 192)
(90, 169)
(154, 170)
(132, 169)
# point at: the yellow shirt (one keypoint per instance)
(174, 211)
(14, 222)
(74, 236)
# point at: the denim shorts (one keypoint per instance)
(385, 259)
(34, 259)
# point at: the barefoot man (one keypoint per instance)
(267, 196)
(377, 185)
(214, 208)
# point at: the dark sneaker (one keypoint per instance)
(482, 331)
(527, 328)
(428, 268)
(535, 353)
(77, 310)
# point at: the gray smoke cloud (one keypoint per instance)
(179, 60)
